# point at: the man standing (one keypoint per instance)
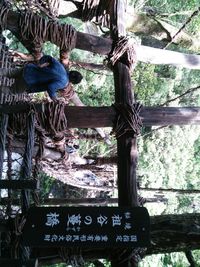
(48, 75)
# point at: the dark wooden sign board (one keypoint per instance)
(86, 227)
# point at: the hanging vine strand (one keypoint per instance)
(98, 10)
(38, 30)
(4, 9)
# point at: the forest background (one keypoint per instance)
(169, 156)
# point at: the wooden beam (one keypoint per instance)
(92, 117)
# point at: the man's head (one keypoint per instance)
(75, 77)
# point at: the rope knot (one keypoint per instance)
(124, 51)
(128, 119)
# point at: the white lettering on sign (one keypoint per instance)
(133, 238)
(97, 238)
(68, 238)
(126, 238)
(52, 219)
(61, 238)
(102, 220)
(76, 238)
(83, 238)
(74, 219)
(127, 226)
(47, 237)
(127, 215)
(116, 220)
(119, 238)
(90, 238)
(75, 229)
(104, 238)
(54, 238)
(88, 220)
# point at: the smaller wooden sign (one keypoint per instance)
(86, 227)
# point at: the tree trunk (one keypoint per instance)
(170, 233)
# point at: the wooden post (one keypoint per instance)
(126, 143)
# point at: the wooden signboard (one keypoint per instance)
(86, 227)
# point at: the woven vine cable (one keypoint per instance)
(33, 27)
(63, 35)
(17, 249)
(26, 169)
(49, 7)
(98, 9)
(53, 119)
(4, 9)
(128, 119)
(26, 173)
(124, 46)
(89, 10)
(3, 131)
(38, 30)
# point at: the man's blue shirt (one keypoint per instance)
(50, 78)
